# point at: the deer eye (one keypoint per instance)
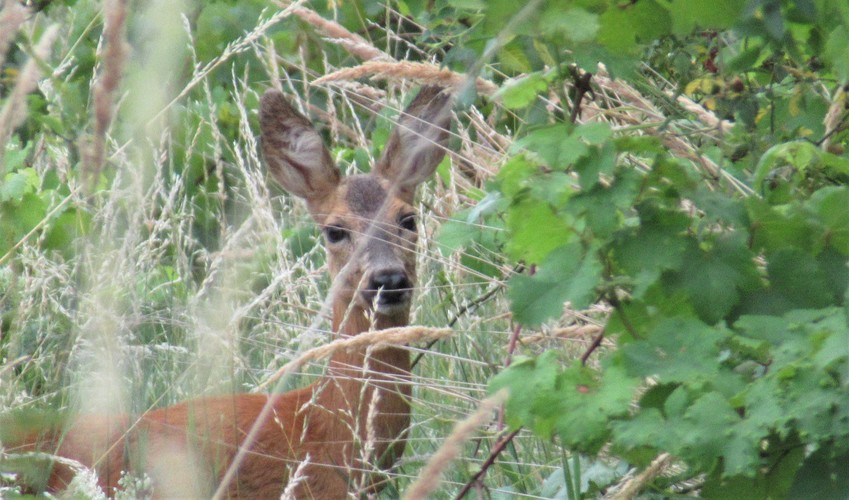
(335, 234)
(408, 222)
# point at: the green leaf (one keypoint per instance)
(657, 245)
(622, 28)
(797, 276)
(574, 23)
(773, 230)
(830, 204)
(677, 350)
(518, 93)
(512, 56)
(605, 208)
(533, 392)
(567, 274)
(594, 133)
(714, 278)
(15, 156)
(514, 175)
(719, 14)
(616, 32)
(587, 401)
(554, 145)
(17, 184)
(823, 475)
(711, 431)
(468, 4)
(535, 230)
(836, 48)
(575, 403)
(598, 162)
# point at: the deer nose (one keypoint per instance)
(390, 287)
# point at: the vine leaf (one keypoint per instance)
(567, 274)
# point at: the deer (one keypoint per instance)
(351, 424)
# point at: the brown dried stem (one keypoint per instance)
(431, 474)
(421, 73)
(103, 94)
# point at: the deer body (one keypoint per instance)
(352, 421)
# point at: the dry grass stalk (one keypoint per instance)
(15, 111)
(12, 17)
(835, 115)
(574, 332)
(421, 73)
(704, 115)
(391, 336)
(430, 475)
(635, 109)
(115, 14)
(630, 489)
(353, 43)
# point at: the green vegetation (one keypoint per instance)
(668, 230)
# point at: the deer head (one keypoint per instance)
(368, 221)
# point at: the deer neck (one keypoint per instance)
(383, 364)
(367, 391)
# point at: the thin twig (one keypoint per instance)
(463, 310)
(596, 342)
(582, 88)
(431, 474)
(488, 462)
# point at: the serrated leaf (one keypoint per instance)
(830, 204)
(535, 230)
(15, 156)
(554, 144)
(17, 184)
(688, 15)
(453, 235)
(587, 401)
(567, 274)
(513, 57)
(677, 350)
(532, 384)
(797, 276)
(657, 245)
(518, 93)
(715, 278)
(574, 23)
(772, 230)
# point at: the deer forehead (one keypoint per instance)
(361, 198)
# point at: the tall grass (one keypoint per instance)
(190, 274)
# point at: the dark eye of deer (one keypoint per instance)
(408, 222)
(335, 234)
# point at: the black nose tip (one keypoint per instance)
(390, 287)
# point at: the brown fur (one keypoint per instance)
(348, 424)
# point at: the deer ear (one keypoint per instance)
(417, 143)
(294, 151)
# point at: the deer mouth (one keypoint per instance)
(388, 292)
(387, 301)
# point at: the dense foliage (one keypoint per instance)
(727, 285)
(689, 193)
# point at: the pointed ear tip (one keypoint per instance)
(431, 92)
(272, 93)
(273, 98)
